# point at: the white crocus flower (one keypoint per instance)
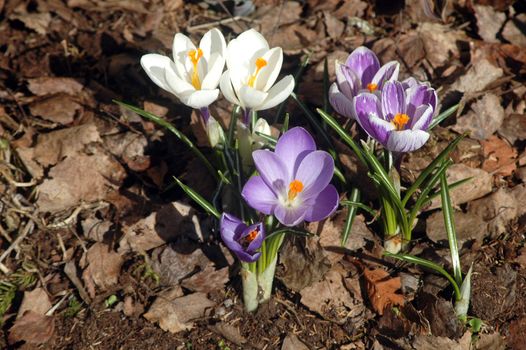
(216, 135)
(194, 72)
(252, 70)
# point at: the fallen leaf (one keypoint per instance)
(94, 228)
(478, 77)
(440, 42)
(512, 31)
(36, 301)
(60, 109)
(382, 288)
(484, 118)
(441, 316)
(103, 268)
(334, 26)
(517, 337)
(229, 332)
(514, 128)
(176, 262)
(39, 22)
(43, 86)
(207, 280)
(175, 313)
(292, 342)
(430, 342)
(33, 328)
(489, 22)
(491, 341)
(499, 156)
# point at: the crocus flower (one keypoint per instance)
(400, 118)
(193, 74)
(252, 70)
(241, 239)
(293, 181)
(361, 72)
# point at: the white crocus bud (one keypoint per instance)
(261, 127)
(252, 70)
(194, 73)
(216, 135)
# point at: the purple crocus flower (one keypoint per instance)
(361, 72)
(293, 182)
(400, 118)
(243, 240)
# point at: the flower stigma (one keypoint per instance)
(195, 56)
(295, 187)
(260, 63)
(400, 120)
(245, 241)
(372, 87)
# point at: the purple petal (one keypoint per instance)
(422, 118)
(364, 64)
(256, 243)
(409, 83)
(324, 204)
(231, 229)
(292, 147)
(315, 172)
(367, 107)
(340, 102)
(406, 140)
(246, 256)
(347, 81)
(259, 195)
(272, 170)
(290, 216)
(393, 99)
(388, 72)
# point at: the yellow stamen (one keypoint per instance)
(295, 187)
(400, 120)
(252, 235)
(372, 87)
(195, 56)
(260, 63)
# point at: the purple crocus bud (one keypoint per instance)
(361, 72)
(400, 118)
(293, 181)
(241, 239)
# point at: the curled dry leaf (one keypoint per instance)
(61, 109)
(104, 267)
(53, 85)
(382, 289)
(36, 300)
(33, 328)
(500, 156)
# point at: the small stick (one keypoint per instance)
(27, 229)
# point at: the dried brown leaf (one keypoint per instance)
(514, 128)
(207, 280)
(33, 328)
(53, 85)
(382, 289)
(500, 156)
(489, 22)
(36, 300)
(104, 267)
(484, 118)
(60, 109)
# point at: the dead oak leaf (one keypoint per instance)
(381, 288)
(104, 267)
(499, 156)
(32, 328)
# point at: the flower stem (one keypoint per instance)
(205, 113)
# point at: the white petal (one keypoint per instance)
(268, 74)
(406, 140)
(215, 132)
(242, 50)
(251, 98)
(155, 65)
(181, 45)
(340, 102)
(200, 98)
(211, 80)
(178, 85)
(278, 93)
(226, 88)
(423, 116)
(213, 42)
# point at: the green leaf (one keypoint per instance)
(351, 203)
(206, 205)
(285, 126)
(475, 324)
(428, 264)
(165, 124)
(272, 141)
(430, 168)
(442, 116)
(449, 222)
(351, 213)
(451, 186)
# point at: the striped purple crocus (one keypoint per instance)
(293, 181)
(400, 117)
(361, 72)
(242, 240)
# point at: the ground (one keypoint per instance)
(99, 249)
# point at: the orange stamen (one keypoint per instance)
(260, 63)
(195, 56)
(295, 187)
(372, 87)
(252, 235)
(400, 120)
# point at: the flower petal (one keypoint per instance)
(181, 45)
(340, 102)
(367, 107)
(155, 65)
(315, 172)
(213, 42)
(231, 229)
(347, 81)
(251, 98)
(272, 170)
(178, 85)
(200, 98)
(243, 50)
(278, 93)
(259, 195)
(393, 99)
(256, 243)
(387, 72)
(211, 79)
(268, 74)
(290, 216)
(293, 146)
(324, 204)
(226, 88)
(422, 118)
(364, 64)
(406, 140)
